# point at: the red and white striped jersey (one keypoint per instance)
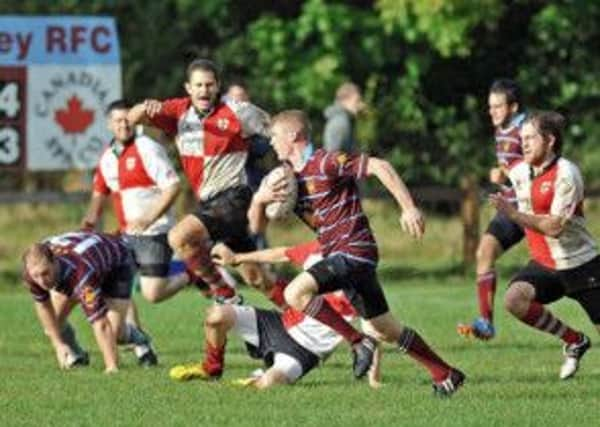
(311, 334)
(213, 148)
(558, 191)
(135, 175)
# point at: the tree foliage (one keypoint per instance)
(425, 65)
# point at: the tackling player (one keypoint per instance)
(290, 343)
(564, 256)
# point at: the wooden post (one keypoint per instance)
(469, 211)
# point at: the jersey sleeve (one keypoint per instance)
(254, 120)
(168, 117)
(568, 192)
(341, 164)
(157, 163)
(299, 254)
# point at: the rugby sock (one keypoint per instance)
(318, 308)
(67, 334)
(540, 318)
(133, 335)
(486, 290)
(276, 293)
(410, 342)
(201, 266)
(214, 359)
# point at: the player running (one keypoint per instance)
(328, 200)
(506, 113)
(565, 259)
(212, 139)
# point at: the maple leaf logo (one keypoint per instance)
(74, 119)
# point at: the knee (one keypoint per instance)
(215, 316)
(151, 295)
(295, 298)
(517, 299)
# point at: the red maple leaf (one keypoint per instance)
(74, 119)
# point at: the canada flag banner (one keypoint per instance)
(57, 75)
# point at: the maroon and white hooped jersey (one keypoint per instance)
(509, 148)
(135, 175)
(85, 260)
(328, 196)
(213, 148)
(556, 190)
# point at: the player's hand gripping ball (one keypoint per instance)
(282, 182)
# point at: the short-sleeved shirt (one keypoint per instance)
(135, 175)
(509, 148)
(213, 147)
(85, 261)
(328, 195)
(556, 190)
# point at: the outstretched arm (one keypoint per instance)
(412, 219)
(142, 112)
(223, 255)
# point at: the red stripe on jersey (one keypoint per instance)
(542, 195)
(168, 117)
(223, 132)
(119, 211)
(132, 172)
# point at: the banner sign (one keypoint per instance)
(57, 75)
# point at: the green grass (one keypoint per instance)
(512, 380)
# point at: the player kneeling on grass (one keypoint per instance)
(290, 343)
(565, 259)
(96, 271)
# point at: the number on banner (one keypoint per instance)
(9, 100)
(9, 145)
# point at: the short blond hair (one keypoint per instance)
(296, 120)
(38, 252)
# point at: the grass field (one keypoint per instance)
(512, 380)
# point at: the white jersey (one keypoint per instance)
(556, 190)
(135, 175)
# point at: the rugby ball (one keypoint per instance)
(280, 210)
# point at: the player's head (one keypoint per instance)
(202, 83)
(542, 136)
(290, 131)
(237, 92)
(40, 264)
(349, 96)
(504, 101)
(117, 121)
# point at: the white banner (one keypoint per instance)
(57, 75)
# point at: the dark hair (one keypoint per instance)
(204, 65)
(509, 88)
(549, 123)
(119, 104)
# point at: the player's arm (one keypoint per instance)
(549, 225)
(107, 342)
(164, 202)
(94, 211)
(223, 255)
(47, 317)
(144, 111)
(257, 219)
(412, 219)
